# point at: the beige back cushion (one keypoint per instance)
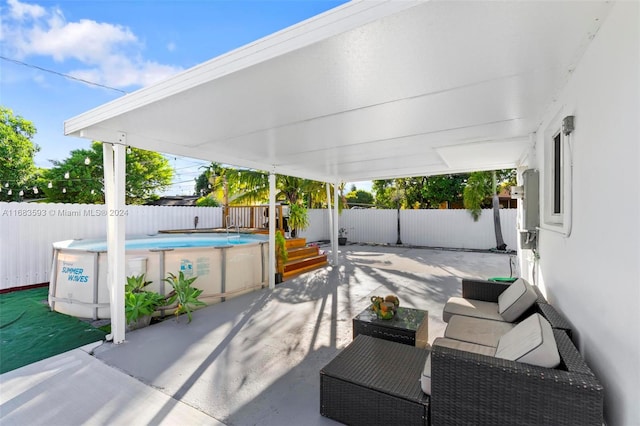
(530, 341)
(516, 299)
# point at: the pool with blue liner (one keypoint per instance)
(226, 265)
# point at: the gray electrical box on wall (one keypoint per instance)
(531, 200)
(530, 209)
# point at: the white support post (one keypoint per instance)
(330, 216)
(272, 231)
(336, 224)
(114, 183)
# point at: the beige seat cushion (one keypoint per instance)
(477, 330)
(425, 379)
(516, 299)
(530, 341)
(470, 308)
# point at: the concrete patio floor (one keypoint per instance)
(254, 359)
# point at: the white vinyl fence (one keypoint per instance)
(28, 230)
(426, 228)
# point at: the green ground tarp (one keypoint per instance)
(29, 331)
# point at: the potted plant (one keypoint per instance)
(342, 236)
(140, 304)
(183, 294)
(282, 255)
(298, 219)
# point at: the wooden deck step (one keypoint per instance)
(302, 252)
(292, 243)
(297, 272)
(304, 265)
(301, 263)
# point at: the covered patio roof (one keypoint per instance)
(368, 90)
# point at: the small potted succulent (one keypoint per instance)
(342, 236)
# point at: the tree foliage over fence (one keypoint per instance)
(17, 169)
(233, 186)
(429, 192)
(80, 178)
(420, 192)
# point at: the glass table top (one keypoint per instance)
(407, 318)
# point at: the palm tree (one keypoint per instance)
(397, 197)
(481, 186)
(495, 202)
(244, 186)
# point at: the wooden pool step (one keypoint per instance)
(301, 252)
(304, 265)
(302, 258)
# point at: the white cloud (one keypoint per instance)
(122, 72)
(21, 11)
(111, 54)
(171, 46)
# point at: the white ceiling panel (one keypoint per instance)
(367, 90)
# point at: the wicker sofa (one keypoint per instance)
(469, 388)
(377, 382)
(490, 291)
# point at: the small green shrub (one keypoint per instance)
(184, 294)
(282, 255)
(207, 201)
(139, 302)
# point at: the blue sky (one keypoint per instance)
(125, 45)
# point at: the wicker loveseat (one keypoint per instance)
(376, 382)
(468, 388)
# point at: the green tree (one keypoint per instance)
(242, 186)
(203, 185)
(16, 156)
(207, 201)
(443, 188)
(481, 191)
(421, 192)
(80, 178)
(384, 191)
(359, 198)
(477, 193)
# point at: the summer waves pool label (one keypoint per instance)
(75, 269)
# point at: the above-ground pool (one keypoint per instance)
(226, 265)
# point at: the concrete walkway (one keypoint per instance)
(254, 359)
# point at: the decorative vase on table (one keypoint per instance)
(385, 308)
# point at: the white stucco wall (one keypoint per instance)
(592, 276)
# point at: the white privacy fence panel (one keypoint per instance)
(428, 228)
(28, 230)
(318, 229)
(456, 228)
(370, 225)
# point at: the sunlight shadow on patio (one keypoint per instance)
(256, 358)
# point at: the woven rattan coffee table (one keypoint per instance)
(375, 382)
(408, 326)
